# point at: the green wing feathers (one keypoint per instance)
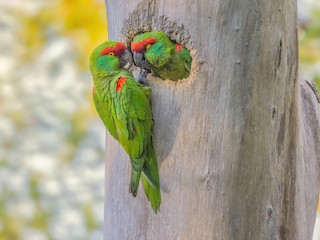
(134, 118)
(186, 58)
(103, 108)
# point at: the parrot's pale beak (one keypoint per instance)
(140, 60)
(126, 58)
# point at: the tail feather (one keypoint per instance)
(153, 194)
(147, 164)
(137, 165)
(150, 179)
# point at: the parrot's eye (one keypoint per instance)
(148, 46)
(111, 53)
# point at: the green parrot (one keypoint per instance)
(156, 52)
(124, 107)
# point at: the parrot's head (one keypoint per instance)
(108, 57)
(151, 49)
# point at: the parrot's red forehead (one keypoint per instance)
(140, 46)
(118, 49)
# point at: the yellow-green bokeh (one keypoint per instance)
(84, 21)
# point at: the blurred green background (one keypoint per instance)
(52, 142)
(309, 37)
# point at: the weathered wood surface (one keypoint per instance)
(238, 147)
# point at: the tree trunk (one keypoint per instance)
(238, 147)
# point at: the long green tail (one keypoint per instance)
(153, 194)
(150, 179)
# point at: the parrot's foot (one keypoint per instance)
(142, 79)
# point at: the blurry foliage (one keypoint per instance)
(83, 20)
(310, 40)
(90, 220)
(316, 80)
(77, 129)
(11, 228)
(310, 43)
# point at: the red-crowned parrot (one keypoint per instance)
(124, 107)
(156, 52)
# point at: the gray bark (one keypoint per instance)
(238, 144)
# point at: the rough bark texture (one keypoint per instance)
(237, 145)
